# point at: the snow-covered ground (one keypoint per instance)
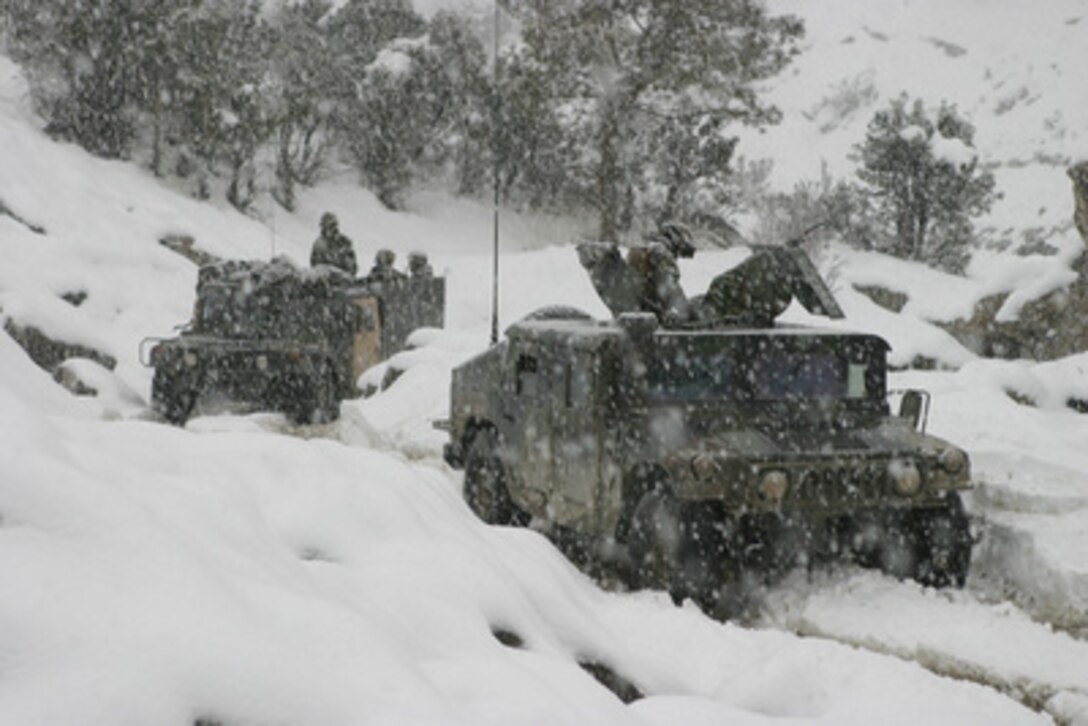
(243, 571)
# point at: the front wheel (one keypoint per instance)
(654, 541)
(311, 398)
(944, 545)
(172, 398)
(687, 548)
(485, 489)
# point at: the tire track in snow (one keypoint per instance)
(951, 633)
(1034, 516)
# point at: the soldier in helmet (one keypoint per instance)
(655, 267)
(383, 270)
(648, 280)
(676, 238)
(418, 266)
(332, 247)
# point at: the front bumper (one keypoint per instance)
(819, 487)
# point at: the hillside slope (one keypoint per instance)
(242, 571)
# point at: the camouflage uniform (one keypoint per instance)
(332, 247)
(655, 264)
(660, 292)
(418, 265)
(648, 280)
(383, 269)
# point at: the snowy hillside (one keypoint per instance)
(1014, 69)
(243, 571)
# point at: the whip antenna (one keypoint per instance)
(272, 228)
(495, 180)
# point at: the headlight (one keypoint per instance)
(905, 477)
(190, 359)
(952, 460)
(774, 484)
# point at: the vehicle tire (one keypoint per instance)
(944, 550)
(305, 398)
(300, 400)
(707, 565)
(172, 398)
(485, 489)
(558, 312)
(898, 553)
(654, 542)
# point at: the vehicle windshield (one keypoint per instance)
(752, 368)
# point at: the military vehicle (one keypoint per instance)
(694, 454)
(270, 335)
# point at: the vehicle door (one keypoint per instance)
(527, 416)
(576, 438)
(367, 344)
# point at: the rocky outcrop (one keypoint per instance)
(1053, 326)
(6, 210)
(885, 298)
(186, 246)
(49, 353)
(70, 379)
(1079, 174)
(1048, 328)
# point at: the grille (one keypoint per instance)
(841, 484)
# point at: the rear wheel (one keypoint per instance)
(485, 488)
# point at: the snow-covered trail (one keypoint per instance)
(1033, 513)
(952, 633)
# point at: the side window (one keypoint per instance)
(855, 380)
(526, 378)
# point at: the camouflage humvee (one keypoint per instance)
(274, 336)
(695, 455)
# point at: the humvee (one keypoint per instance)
(270, 335)
(694, 456)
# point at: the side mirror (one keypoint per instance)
(914, 406)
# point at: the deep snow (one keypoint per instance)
(245, 571)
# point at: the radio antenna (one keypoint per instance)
(495, 180)
(272, 228)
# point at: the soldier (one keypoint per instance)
(418, 265)
(383, 269)
(655, 266)
(648, 280)
(332, 247)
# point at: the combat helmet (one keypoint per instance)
(677, 238)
